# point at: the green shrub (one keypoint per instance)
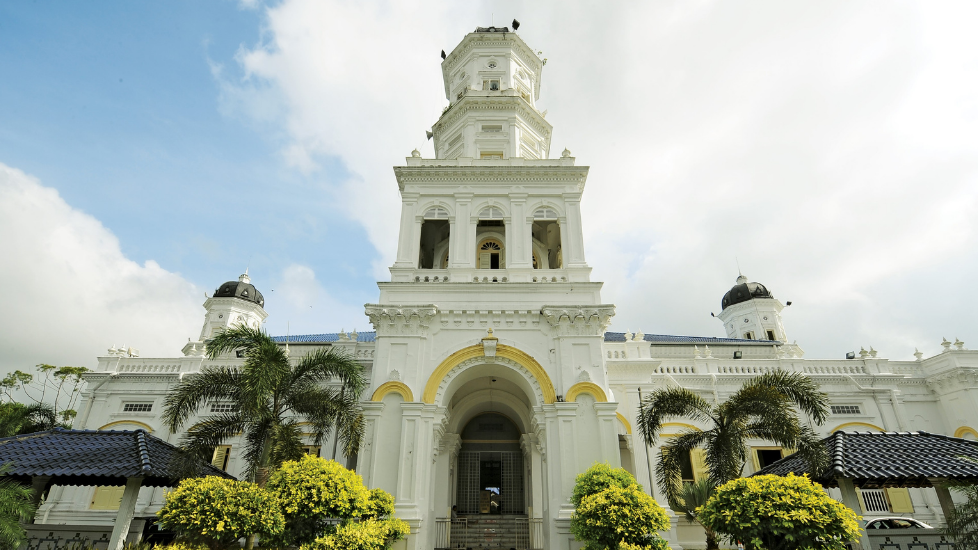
(216, 512)
(599, 477)
(779, 513)
(313, 490)
(369, 534)
(612, 512)
(380, 504)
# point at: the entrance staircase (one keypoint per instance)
(489, 532)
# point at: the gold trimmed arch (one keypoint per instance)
(586, 387)
(625, 422)
(136, 422)
(477, 350)
(965, 430)
(856, 425)
(395, 387)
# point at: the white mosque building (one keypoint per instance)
(493, 378)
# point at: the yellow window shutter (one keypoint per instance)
(107, 498)
(755, 459)
(220, 458)
(484, 260)
(862, 505)
(900, 502)
(700, 469)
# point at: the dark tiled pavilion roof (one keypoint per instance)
(87, 457)
(889, 459)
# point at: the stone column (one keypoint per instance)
(608, 432)
(127, 508)
(851, 499)
(462, 234)
(407, 242)
(518, 234)
(573, 247)
(372, 411)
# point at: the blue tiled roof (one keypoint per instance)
(670, 339)
(88, 457)
(890, 459)
(324, 338)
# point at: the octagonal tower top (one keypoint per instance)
(492, 82)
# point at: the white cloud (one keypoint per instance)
(302, 306)
(69, 293)
(829, 146)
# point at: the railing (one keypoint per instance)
(451, 533)
(529, 533)
(489, 532)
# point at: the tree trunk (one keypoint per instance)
(711, 540)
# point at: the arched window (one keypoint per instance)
(546, 231)
(435, 231)
(491, 213)
(545, 213)
(436, 213)
(490, 255)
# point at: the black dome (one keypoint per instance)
(241, 289)
(743, 291)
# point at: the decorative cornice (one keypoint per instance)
(400, 320)
(480, 103)
(579, 320)
(494, 175)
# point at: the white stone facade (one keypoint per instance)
(490, 310)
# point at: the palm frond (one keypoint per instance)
(324, 365)
(800, 389)
(286, 442)
(726, 450)
(16, 508)
(199, 441)
(668, 470)
(257, 445)
(186, 399)
(662, 404)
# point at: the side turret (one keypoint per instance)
(751, 312)
(233, 303)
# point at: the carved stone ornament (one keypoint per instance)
(579, 321)
(400, 321)
(489, 345)
(394, 376)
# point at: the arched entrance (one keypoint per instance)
(489, 471)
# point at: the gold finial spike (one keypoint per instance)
(490, 332)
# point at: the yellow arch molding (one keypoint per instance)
(396, 387)
(628, 426)
(965, 430)
(586, 387)
(856, 425)
(144, 426)
(471, 352)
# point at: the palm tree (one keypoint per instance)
(690, 498)
(271, 396)
(16, 508)
(962, 524)
(764, 408)
(17, 419)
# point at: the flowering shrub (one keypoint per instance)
(612, 513)
(774, 513)
(599, 477)
(312, 490)
(380, 504)
(370, 534)
(216, 512)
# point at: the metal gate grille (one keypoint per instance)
(468, 483)
(512, 486)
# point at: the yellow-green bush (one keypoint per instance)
(370, 534)
(611, 515)
(599, 477)
(779, 513)
(216, 512)
(312, 490)
(380, 504)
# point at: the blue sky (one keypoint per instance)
(151, 151)
(115, 105)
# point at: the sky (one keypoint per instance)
(151, 151)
